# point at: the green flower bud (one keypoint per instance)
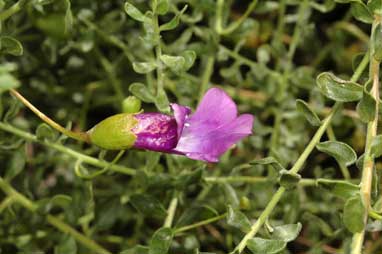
(131, 105)
(114, 133)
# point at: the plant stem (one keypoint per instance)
(297, 166)
(81, 136)
(11, 10)
(85, 158)
(200, 223)
(16, 196)
(368, 162)
(234, 25)
(209, 68)
(65, 228)
(171, 212)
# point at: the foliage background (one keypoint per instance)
(77, 62)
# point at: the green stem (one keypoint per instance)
(85, 158)
(11, 10)
(80, 136)
(200, 223)
(65, 228)
(234, 25)
(6, 202)
(171, 212)
(209, 68)
(368, 162)
(158, 54)
(16, 196)
(297, 166)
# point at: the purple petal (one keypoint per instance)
(156, 132)
(215, 109)
(202, 143)
(180, 113)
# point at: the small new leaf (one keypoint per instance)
(141, 92)
(340, 151)
(268, 160)
(303, 108)
(337, 89)
(288, 180)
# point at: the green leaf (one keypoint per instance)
(138, 249)
(174, 22)
(66, 246)
(265, 246)
(230, 195)
(376, 146)
(360, 11)
(189, 57)
(16, 164)
(304, 109)
(338, 89)
(7, 82)
(340, 151)
(354, 213)
(186, 179)
(144, 67)
(134, 13)
(161, 101)
(287, 232)
(175, 63)
(339, 188)
(148, 205)
(268, 160)
(9, 45)
(44, 131)
(162, 7)
(161, 241)
(141, 92)
(366, 107)
(377, 43)
(375, 6)
(238, 219)
(320, 223)
(131, 104)
(288, 180)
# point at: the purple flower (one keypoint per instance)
(204, 135)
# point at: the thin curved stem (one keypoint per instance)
(81, 136)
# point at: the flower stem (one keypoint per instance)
(209, 68)
(297, 166)
(368, 162)
(80, 136)
(85, 158)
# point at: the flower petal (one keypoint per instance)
(209, 144)
(181, 114)
(215, 109)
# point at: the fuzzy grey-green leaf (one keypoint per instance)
(340, 151)
(287, 232)
(144, 67)
(376, 146)
(360, 11)
(354, 213)
(238, 219)
(134, 13)
(303, 108)
(269, 246)
(161, 241)
(338, 89)
(366, 107)
(142, 92)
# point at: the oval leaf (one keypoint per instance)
(161, 241)
(360, 11)
(340, 189)
(303, 108)
(377, 43)
(354, 213)
(238, 219)
(175, 63)
(140, 91)
(338, 89)
(366, 107)
(340, 151)
(134, 13)
(174, 22)
(260, 246)
(144, 67)
(376, 146)
(287, 232)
